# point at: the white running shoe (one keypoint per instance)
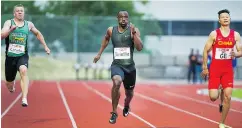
(221, 125)
(24, 102)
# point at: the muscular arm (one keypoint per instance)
(137, 41)
(207, 48)
(37, 33)
(105, 41)
(6, 29)
(238, 44)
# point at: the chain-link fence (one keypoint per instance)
(80, 38)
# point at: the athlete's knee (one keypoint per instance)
(213, 94)
(129, 92)
(227, 95)
(23, 70)
(117, 80)
(10, 83)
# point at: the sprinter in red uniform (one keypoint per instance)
(221, 41)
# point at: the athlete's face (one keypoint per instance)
(19, 13)
(224, 19)
(123, 19)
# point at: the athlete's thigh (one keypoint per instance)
(117, 71)
(129, 80)
(227, 79)
(10, 69)
(214, 79)
(23, 60)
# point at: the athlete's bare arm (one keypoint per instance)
(105, 40)
(238, 45)
(6, 29)
(207, 48)
(37, 33)
(137, 41)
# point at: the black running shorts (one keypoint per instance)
(128, 76)
(12, 65)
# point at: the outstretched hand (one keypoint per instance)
(204, 73)
(47, 50)
(96, 58)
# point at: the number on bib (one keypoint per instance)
(16, 48)
(121, 53)
(223, 53)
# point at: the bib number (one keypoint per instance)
(223, 53)
(121, 53)
(16, 48)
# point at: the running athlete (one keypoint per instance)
(222, 42)
(15, 32)
(124, 38)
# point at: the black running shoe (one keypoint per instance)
(220, 108)
(126, 111)
(113, 118)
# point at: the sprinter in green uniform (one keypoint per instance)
(15, 32)
(125, 37)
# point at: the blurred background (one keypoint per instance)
(73, 30)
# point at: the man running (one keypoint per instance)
(124, 38)
(15, 32)
(221, 41)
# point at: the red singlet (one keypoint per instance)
(221, 69)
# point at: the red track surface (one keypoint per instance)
(88, 106)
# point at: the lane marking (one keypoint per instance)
(14, 102)
(196, 100)
(119, 106)
(73, 122)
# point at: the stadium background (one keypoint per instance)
(74, 36)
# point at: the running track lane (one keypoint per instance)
(233, 119)
(154, 113)
(91, 110)
(45, 110)
(191, 91)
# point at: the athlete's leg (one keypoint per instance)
(24, 82)
(213, 85)
(117, 76)
(129, 84)
(10, 73)
(221, 98)
(227, 84)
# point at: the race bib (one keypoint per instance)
(223, 53)
(16, 48)
(122, 53)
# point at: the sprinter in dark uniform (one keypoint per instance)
(125, 37)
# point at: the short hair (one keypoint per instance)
(223, 11)
(18, 5)
(122, 11)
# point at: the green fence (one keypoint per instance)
(79, 34)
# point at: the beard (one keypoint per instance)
(123, 25)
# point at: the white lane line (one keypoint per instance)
(196, 100)
(175, 108)
(66, 105)
(119, 106)
(14, 102)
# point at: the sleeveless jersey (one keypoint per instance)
(16, 42)
(123, 47)
(221, 50)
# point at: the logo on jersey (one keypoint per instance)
(18, 38)
(225, 43)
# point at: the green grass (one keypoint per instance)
(237, 93)
(47, 68)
